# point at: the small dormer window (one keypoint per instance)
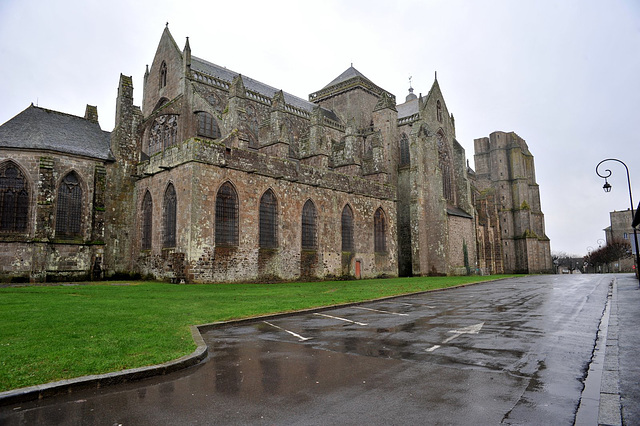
(163, 74)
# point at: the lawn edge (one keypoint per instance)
(97, 381)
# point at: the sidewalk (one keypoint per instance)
(620, 387)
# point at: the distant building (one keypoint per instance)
(220, 177)
(620, 229)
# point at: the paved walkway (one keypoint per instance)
(622, 358)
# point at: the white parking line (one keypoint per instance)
(302, 339)
(383, 312)
(341, 319)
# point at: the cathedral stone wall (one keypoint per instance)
(38, 254)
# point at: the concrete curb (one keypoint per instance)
(610, 411)
(46, 390)
(97, 381)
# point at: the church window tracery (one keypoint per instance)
(69, 207)
(268, 220)
(14, 199)
(227, 216)
(169, 217)
(444, 160)
(163, 133)
(147, 216)
(309, 217)
(207, 125)
(380, 231)
(347, 228)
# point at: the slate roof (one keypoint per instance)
(349, 73)
(408, 108)
(225, 74)
(43, 129)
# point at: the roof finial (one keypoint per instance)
(167, 25)
(352, 64)
(410, 87)
(436, 74)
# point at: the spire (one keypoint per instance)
(186, 56)
(411, 96)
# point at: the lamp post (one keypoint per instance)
(607, 188)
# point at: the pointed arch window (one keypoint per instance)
(14, 199)
(69, 207)
(163, 74)
(405, 155)
(268, 220)
(309, 217)
(226, 216)
(163, 133)
(207, 125)
(170, 208)
(380, 231)
(444, 160)
(439, 110)
(147, 217)
(347, 228)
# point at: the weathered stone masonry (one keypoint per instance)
(219, 178)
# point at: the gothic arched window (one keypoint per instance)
(163, 74)
(14, 199)
(444, 160)
(207, 126)
(69, 207)
(309, 217)
(147, 217)
(227, 216)
(347, 228)
(163, 133)
(169, 217)
(405, 155)
(268, 220)
(379, 231)
(439, 110)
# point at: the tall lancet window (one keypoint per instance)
(347, 229)
(69, 207)
(309, 218)
(379, 232)
(169, 217)
(268, 220)
(227, 220)
(163, 74)
(444, 159)
(147, 219)
(14, 199)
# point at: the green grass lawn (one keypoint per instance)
(49, 333)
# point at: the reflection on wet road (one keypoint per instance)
(513, 351)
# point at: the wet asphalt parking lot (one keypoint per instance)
(513, 351)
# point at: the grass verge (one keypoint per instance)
(49, 333)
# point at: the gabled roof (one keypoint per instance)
(348, 74)
(43, 129)
(349, 80)
(225, 74)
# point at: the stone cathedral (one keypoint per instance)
(218, 177)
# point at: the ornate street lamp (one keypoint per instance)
(607, 188)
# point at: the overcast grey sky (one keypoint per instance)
(564, 75)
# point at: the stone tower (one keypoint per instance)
(505, 173)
